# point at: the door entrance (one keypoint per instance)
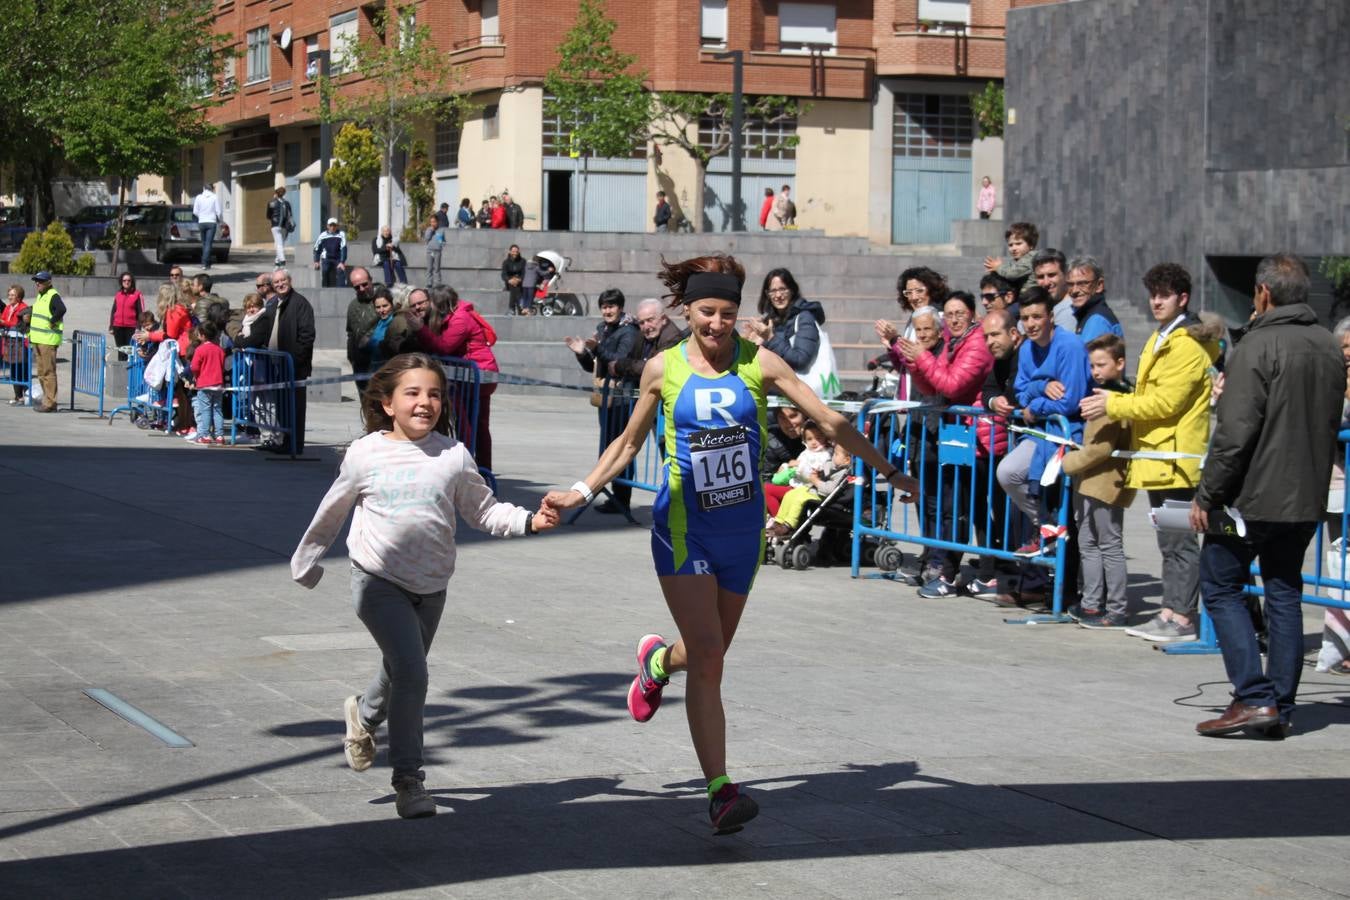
(558, 200)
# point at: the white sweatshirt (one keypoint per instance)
(406, 494)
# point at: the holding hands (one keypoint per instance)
(546, 518)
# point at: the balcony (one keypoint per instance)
(837, 71)
(486, 46)
(944, 47)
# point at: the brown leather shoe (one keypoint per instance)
(1240, 717)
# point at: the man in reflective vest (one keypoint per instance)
(45, 330)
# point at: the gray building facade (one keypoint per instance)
(1204, 132)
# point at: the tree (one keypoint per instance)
(677, 120)
(988, 109)
(599, 103)
(401, 80)
(420, 185)
(146, 106)
(356, 160)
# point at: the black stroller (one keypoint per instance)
(833, 514)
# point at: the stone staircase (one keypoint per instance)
(852, 279)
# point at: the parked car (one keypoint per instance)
(13, 227)
(173, 231)
(95, 226)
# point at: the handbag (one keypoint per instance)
(599, 398)
(823, 375)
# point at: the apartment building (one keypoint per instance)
(886, 142)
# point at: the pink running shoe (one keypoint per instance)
(644, 695)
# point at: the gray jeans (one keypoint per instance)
(434, 248)
(1102, 552)
(1013, 477)
(1180, 559)
(403, 624)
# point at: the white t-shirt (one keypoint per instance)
(406, 495)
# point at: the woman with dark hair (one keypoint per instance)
(456, 329)
(125, 318)
(789, 324)
(708, 518)
(465, 217)
(917, 287)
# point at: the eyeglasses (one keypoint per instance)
(261, 285)
(780, 290)
(989, 298)
(175, 274)
(917, 292)
(1081, 284)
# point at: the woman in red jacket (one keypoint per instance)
(498, 214)
(125, 317)
(456, 329)
(13, 345)
(177, 325)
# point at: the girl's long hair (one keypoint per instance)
(384, 382)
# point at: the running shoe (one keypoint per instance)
(937, 588)
(644, 695)
(983, 590)
(359, 745)
(729, 809)
(1078, 612)
(1103, 622)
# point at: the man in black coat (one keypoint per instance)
(287, 324)
(515, 216)
(1270, 460)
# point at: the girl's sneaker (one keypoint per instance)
(204, 441)
(188, 435)
(729, 810)
(644, 694)
(219, 441)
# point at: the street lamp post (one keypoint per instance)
(325, 144)
(737, 58)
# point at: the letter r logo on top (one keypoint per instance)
(710, 400)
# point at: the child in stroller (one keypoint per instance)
(541, 287)
(825, 499)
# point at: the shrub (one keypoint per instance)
(84, 265)
(51, 250)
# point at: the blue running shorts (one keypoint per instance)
(733, 559)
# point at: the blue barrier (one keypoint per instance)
(959, 507)
(87, 363)
(614, 402)
(1207, 641)
(270, 406)
(466, 380)
(16, 362)
(146, 406)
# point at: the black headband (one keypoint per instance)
(719, 286)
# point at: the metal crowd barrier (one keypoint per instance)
(269, 407)
(1326, 556)
(87, 362)
(148, 407)
(615, 404)
(16, 362)
(465, 380)
(957, 472)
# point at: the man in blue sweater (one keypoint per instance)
(330, 255)
(1087, 293)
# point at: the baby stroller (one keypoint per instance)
(834, 515)
(541, 291)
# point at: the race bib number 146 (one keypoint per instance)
(723, 472)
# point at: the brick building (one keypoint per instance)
(886, 149)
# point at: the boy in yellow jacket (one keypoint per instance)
(1101, 497)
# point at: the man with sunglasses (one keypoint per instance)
(361, 317)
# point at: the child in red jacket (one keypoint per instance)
(208, 377)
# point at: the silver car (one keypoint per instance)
(173, 232)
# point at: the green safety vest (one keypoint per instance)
(41, 328)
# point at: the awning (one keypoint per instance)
(244, 167)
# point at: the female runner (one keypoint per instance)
(708, 519)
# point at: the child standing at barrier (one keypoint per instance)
(407, 480)
(208, 377)
(1101, 497)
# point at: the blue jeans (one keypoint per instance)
(208, 230)
(206, 410)
(330, 275)
(1224, 566)
(402, 624)
(394, 272)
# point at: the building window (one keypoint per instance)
(557, 140)
(341, 35)
(803, 27)
(762, 140)
(714, 17)
(447, 143)
(936, 126)
(491, 124)
(259, 55)
(407, 27)
(491, 31)
(312, 57)
(945, 11)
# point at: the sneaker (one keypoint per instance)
(644, 695)
(1036, 548)
(1152, 626)
(359, 745)
(204, 441)
(1102, 621)
(1171, 632)
(218, 441)
(188, 435)
(1078, 612)
(729, 810)
(983, 590)
(412, 800)
(937, 588)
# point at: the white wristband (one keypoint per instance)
(581, 488)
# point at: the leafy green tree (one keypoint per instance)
(420, 185)
(398, 80)
(356, 160)
(600, 104)
(147, 106)
(988, 109)
(677, 119)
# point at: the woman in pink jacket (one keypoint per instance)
(456, 329)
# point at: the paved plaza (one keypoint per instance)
(897, 746)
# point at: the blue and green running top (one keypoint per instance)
(714, 431)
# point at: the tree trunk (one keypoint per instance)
(121, 221)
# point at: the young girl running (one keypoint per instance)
(708, 519)
(406, 478)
